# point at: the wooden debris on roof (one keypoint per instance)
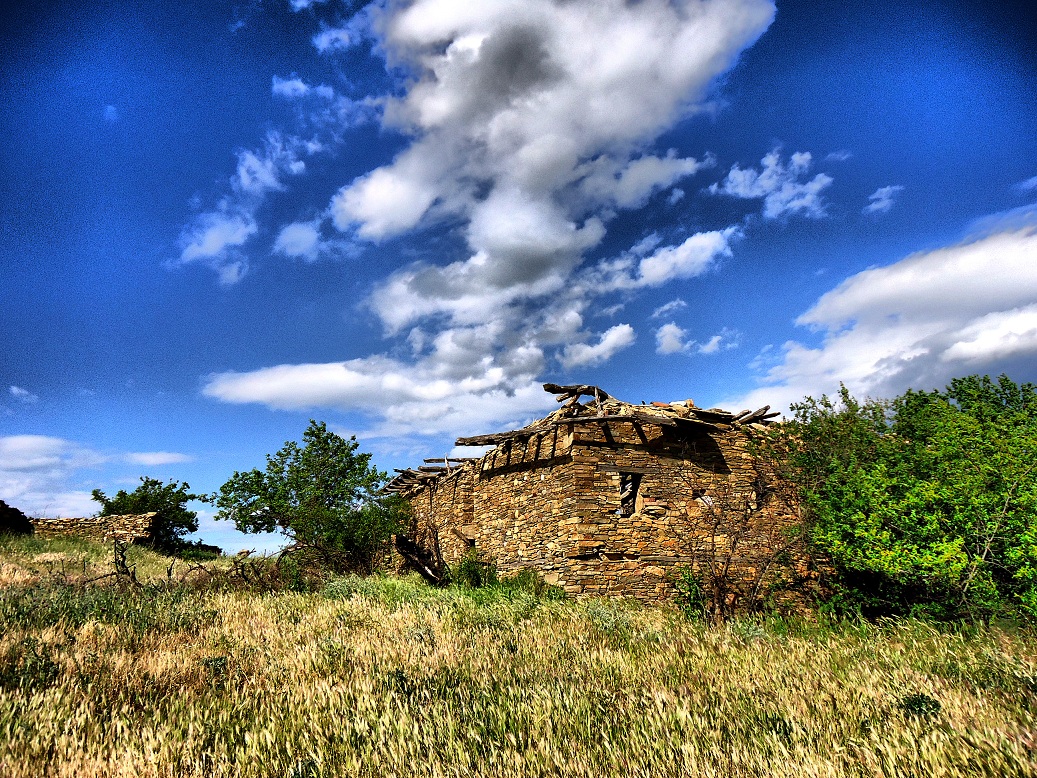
(577, 390)
(602, 409)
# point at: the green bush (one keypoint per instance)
(689, 596)
(324, 495)
(926, 505)
(472, 572)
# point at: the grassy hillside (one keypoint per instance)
(388, 677)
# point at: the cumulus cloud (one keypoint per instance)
(672, 339)
(36, 471)
(531, 124)
(783, 187)
(689, 259)
(612, 340)
(333, 39)
(881, 200)
(300, 239)
(214, 233)
(214, 237)
(919, 322)
(218, 237)
(302, 5)
(426, 399)
(44, 475)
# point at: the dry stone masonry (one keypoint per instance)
(129, 528)
(608, 498)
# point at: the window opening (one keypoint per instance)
(629, 484)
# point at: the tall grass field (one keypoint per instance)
(388, 677)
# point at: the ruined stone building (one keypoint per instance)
(128, 528)
(609, 498)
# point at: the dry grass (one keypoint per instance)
(385, 677)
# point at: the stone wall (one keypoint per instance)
(129, 528)
(553, 503)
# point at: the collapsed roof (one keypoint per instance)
(602, 408)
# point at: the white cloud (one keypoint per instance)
(839, 156)
(425, 399)
(547, 105)
(22, 395)
(670, 339)
(614, 339)
(996, 336)
(919, 322)
(631, 186)
(260, 172)
(289, 87)
(294, 88)
(111, 114)
(691, 258)
(213, 234)
(301, 5)
(1029, 185)
(217, 237)
(667, 308)
(881, 200)
(784, 188)
(725, 340)
(301, 239)
(333, 39)
(385, 202)
(531, 124)
(35, 475)
(156, 458)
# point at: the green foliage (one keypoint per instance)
(927, 503)
(324, 495)
(472, 572)
(919, 704)
(689, 595)
(167, 500)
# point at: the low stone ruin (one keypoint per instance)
(606, 497)
(128, 528)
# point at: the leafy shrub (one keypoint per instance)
(920, 705)
(324, 495)
(168, 501)
(923, 503)
(689, 596)
(472, 572)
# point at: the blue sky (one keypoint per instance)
(219, 220)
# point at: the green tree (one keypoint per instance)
(173, 521)
(926, 503)
(324, 495)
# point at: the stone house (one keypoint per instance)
(605, 497)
